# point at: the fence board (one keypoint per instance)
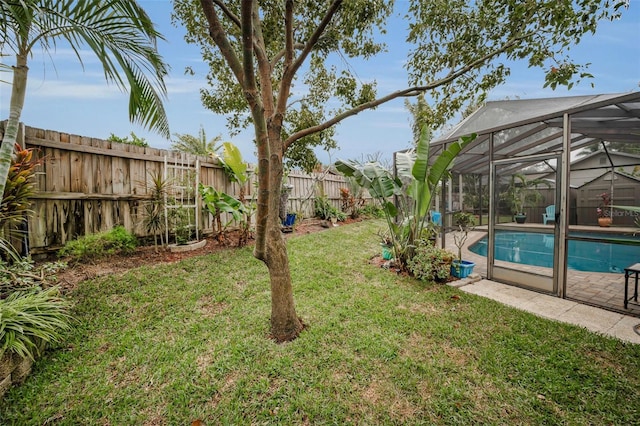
(105, 221)
(120, 175)
(90, 206)
(76, 167)
(78, 217)
(137, 172)
(54, 218)
(38, 226)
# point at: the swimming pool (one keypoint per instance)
(537, 250)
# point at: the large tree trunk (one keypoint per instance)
(270, 244)
(285, 324)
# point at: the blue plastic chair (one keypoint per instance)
(436, 218)
(550, 214)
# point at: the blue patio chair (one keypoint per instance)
(436, 217)
(550, 214)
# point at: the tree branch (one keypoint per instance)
(288, 33)
(257, 113)
(290, 71)
(232, 17)
(264, 66)
(219, 37)
(280, 54)
(411, 91)
(288, 74)
(335, 6)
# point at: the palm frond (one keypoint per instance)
(119, 33)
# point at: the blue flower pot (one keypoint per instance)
(462, 269)
(289, 220)
(387, 252)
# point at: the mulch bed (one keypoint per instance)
(151, 255)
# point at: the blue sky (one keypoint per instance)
(63, 96)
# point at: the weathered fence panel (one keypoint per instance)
(87, 185)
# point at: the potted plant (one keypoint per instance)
(284, 199)
(464, 223)
(522, 193)
(287, 219)
(386, 243)
(604, 210)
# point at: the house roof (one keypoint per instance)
(625, 159)
(615, 172)
(535, 126)
(581, 164)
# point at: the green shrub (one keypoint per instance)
(430, 263)
(117, 240)
(372, 210)
(23, 274)
(27, 319)
(352, 202)
(325, 210)
(135, 140)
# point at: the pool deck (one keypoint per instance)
(593, 300)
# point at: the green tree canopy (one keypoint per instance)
(460, 51)
(197, 145)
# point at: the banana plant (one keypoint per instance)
(218, 202)
(237, 171)
(414, 186)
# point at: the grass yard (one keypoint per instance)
(174, 343)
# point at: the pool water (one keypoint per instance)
(537, 250)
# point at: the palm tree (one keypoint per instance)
(197, 145)
(119, 33)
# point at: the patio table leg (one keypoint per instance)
(626, 287)
(633, 269)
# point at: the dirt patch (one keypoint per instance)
(151, 255)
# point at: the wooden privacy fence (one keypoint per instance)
(87, 185)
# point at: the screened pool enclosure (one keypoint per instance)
(553, 171)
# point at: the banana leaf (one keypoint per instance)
(628, 208)
(232, 158)
(371, 176)
(444, 162)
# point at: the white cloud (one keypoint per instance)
(65, 89)
(183, 85)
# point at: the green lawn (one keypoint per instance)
(176, 343)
